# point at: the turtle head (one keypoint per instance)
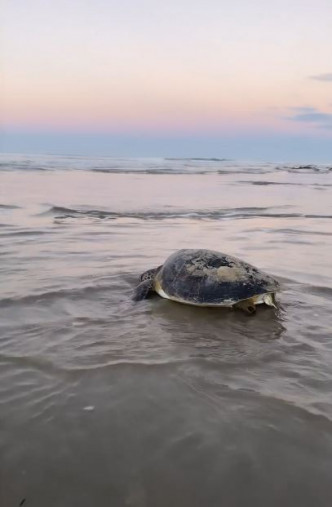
(149, 274)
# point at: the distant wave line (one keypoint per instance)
(164, 166)
(60, 212)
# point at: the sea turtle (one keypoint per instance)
(209, 278)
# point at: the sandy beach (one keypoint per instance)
(109, 402)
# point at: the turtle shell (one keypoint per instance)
(209, 278)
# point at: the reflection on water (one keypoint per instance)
(109, 402)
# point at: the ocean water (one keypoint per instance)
(108, 402)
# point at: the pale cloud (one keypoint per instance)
(322, 77)
(312, 116)
(304, 110)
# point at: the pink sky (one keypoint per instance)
(177, 68)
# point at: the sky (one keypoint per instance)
(238, 79)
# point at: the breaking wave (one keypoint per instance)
(60, 212)
(112, 165)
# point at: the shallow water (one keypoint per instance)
(108, 402)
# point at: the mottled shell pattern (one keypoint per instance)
(209, 278)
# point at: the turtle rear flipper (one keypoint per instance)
(247, 306)
(143, 290)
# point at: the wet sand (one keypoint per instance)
(109, 402)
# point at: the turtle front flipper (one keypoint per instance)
(143, 290)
